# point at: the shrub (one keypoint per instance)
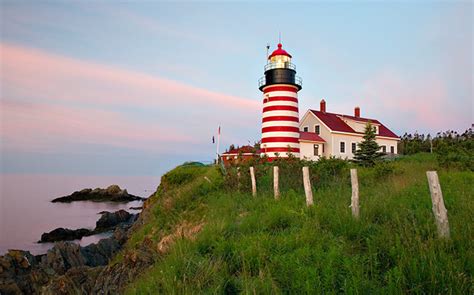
(383, 169)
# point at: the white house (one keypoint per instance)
(329, 134)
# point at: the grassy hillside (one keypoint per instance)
(211, 238)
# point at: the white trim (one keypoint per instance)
(311, 141)
(305, 114)
(348, 133)
(362, 135)
(320, 121)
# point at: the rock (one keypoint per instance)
(101, 252)
(113, 194)
(136, 208)
(64, 234)
(68, 268)
(113, 189)
(109, 219)
(78, 280)
(17, 276)
(62, 257)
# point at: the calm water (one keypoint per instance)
(26, 211)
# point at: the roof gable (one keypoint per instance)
(335, 123)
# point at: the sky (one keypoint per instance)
(135, 88)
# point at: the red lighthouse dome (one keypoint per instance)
(279, 51)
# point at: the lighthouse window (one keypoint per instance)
(316, 149)
(316, 129)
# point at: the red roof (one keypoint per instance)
(310, 136)
(279, 51)
(246, 149)
(335, 123)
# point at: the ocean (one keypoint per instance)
(26, 211)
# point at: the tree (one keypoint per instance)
(369, 150)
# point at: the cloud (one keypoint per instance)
(46, 127)
(66, 79)
(49, 101)
(411, 103)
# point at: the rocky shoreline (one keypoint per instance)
(24, 273)
(107, 222)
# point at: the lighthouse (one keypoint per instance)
(280, 118)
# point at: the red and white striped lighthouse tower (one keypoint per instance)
(280, 120)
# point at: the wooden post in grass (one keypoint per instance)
(254, 183)
(238, 179)
(355, 194)
(307, 187)
(276, 188)
(439, 210)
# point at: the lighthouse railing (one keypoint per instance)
(298, 80)
(280, 65)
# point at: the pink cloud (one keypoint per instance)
(46, 127)
(411, 103)
(61, 78)
(74, 101)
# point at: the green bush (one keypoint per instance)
(458, 156)
(383, 169)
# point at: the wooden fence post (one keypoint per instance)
(439, 210)
(307, 187)
(238, 179)
(355, 194)
(254, 183)
(276, 188)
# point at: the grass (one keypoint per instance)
(260, 246)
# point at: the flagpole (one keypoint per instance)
(218, 141)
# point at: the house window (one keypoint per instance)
(376, 129)
(354, 147)
(343, 147)
(323, 147)
(384, 149)
(316, 149)
(392, 149)
(316, 129)
(305, 129)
